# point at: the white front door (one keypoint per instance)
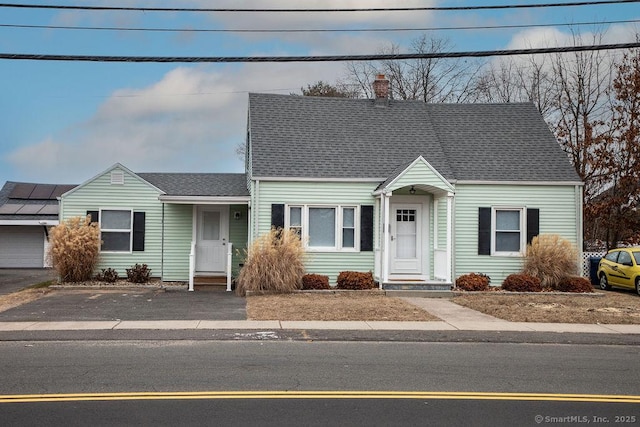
(406, 239)
(211, 238)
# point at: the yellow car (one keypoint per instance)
(620, 268)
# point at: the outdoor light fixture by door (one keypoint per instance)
(412, 190)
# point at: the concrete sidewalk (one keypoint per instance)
(453, 318)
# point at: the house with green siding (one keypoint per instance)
(416, 193)
(182, 225)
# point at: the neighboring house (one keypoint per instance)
(180, 224)
(27, 212)
(417, 193)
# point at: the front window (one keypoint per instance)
(348, 227)
(115, 230)
(322, 227)
(636, 257)
(508, 231)
(325, 228)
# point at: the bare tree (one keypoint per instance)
(612, 215)
(517, 79)
(424, 79)
(581, 80)
(338, 90)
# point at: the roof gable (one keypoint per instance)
(115, 168)
(418, 171)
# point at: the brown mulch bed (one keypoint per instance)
(615, 307)
(333, 306)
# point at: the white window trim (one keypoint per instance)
(117, 230)
(522, 231)
(338, 224)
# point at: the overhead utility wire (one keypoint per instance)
(327, 58)
(376, 9)
(312, 30)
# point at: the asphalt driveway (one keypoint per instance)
(14, 279)
(127, 304)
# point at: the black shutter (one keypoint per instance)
(533, 224)
(484, 231)
(138, 231)
(95, 215)
(366, 228)
(277, 216)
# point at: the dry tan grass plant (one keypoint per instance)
(550, 258)
(274, 262)
(74, 249)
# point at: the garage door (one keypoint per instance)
(21, 246)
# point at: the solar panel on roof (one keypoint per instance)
(42, 192)
(60, 190)
(10, 208)
(30, 209)
(49, 210)
(22, 191)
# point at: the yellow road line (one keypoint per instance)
(66, 397)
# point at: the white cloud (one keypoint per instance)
(189, 121)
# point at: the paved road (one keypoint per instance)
(205, 366)
(324, 412)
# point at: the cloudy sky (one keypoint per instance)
(64, 122)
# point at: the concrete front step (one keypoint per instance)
(418, 294)
(417, 286)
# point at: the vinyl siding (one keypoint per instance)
(177, 241)
(558, 215)
(318, 193)
(135, 195)
(238, 235)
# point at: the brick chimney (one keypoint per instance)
(381, 87)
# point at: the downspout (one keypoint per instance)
(162, 247)
(255, 210)
(580, 226)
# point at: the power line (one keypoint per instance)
(312, 30)
(327, 58)
(285, 10)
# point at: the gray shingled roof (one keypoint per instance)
(30, 206)
(199, 184)
(314, 137)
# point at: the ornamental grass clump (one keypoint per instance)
(74, 249)
(274, 263)
(550, 258)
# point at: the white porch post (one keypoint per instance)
(386, 253)
(449, 236)
(229, 263)
(192, 265)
